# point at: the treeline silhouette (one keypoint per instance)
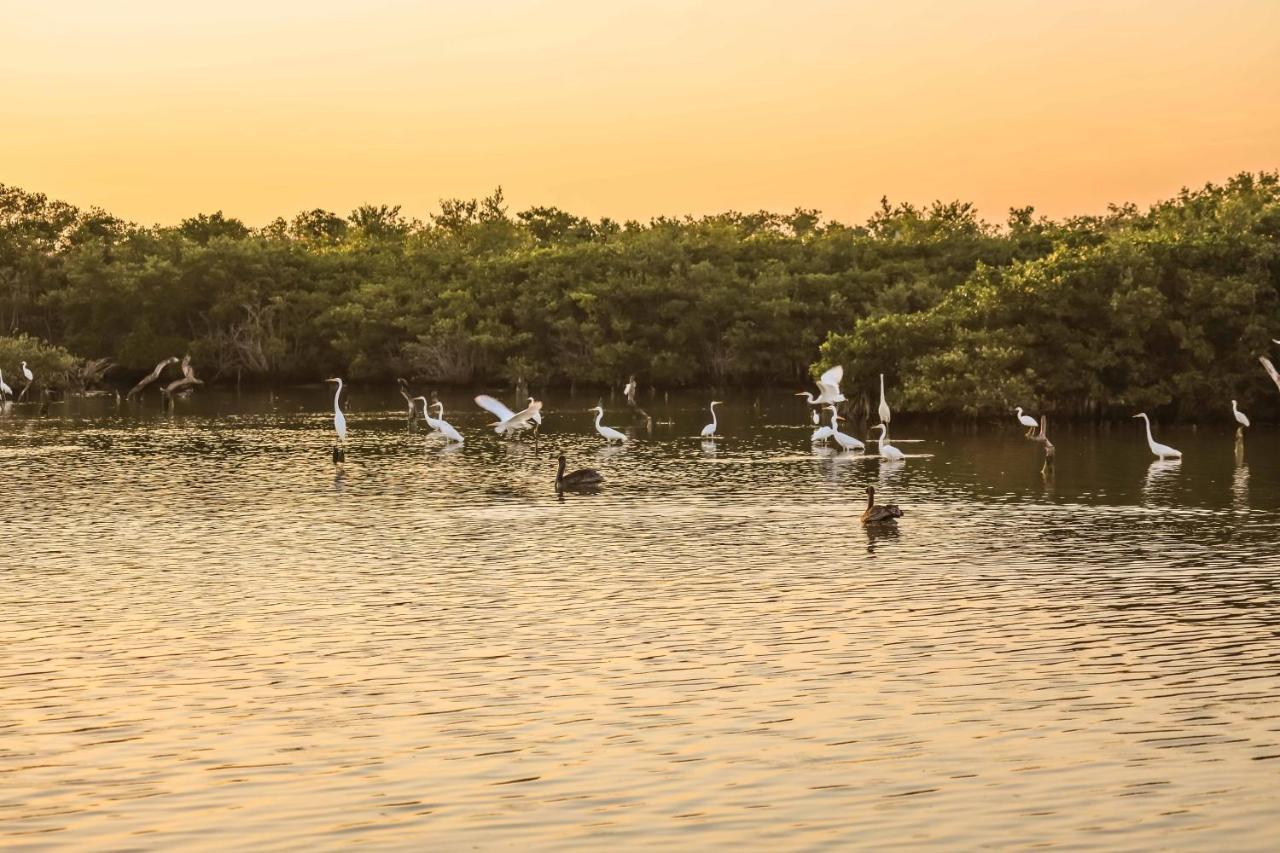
(1167, 307)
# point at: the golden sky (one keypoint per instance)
(157, 109)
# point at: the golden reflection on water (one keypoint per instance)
(211, 637)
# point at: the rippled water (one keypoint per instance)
(209, 637)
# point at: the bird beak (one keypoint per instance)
(1137, 416)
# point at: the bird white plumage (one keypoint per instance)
(1163, 451)
(828, 388)
(608, 433)
(1026, 420)
(4, 386)
(710, 429)
(27, 374)
(339, 419)
(846, 442)
(446, 429)
(1241, 418)
(884, 404)
(887, 450)
(822, 433)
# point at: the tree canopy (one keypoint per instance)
(1167, 307)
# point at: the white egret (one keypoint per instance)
(1163, 451)
(446, 429)
(629, 391)
(1027, 421)
(509, 421)
(1241, 418)
(822, 433)
(884, 404)
(709, 430)
(27, 374)
(339, 419)
(583, 477)
(608, 433)
(828, 388)
(887, 450)
(4, 386)
(813, 416)
(886, 514)
(846, 442)
(431, 422)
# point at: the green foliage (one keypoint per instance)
(53, 366)
(1100, 315)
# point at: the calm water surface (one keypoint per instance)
(209, 638)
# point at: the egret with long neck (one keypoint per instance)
(1162, 451)
(884, 406)
(887, 450)
(709, 430)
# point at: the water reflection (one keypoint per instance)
(220, 639)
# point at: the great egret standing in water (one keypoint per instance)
(1241, 418)
(846, 442)
(339, 419)
(1163, 451)
(822, 433)
(1027, 421)
(884, 404)
(608, 433)
(5, 390)
(887, 450)
(27, 374)
(828, 388)
(446, 429)
(709, 430)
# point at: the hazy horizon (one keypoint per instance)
(631, 112)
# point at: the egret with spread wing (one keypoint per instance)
(828, 388)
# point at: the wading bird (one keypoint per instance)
(581, 478)
(709, 430)
(1163, 451)
(404, 392)
(888, 514)
(446, 429)
(1241, 418)
(1027, 421)
(828, 388)
(813, 416)
(822, 433)
(509, 421)
(884, 404)
(5, 390)
(608, 433)
(887, 450)
(846, 442)
(339, 419)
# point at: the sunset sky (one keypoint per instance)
(158, 110)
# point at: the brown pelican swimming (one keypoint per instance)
(577, 479)
(879, 514)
